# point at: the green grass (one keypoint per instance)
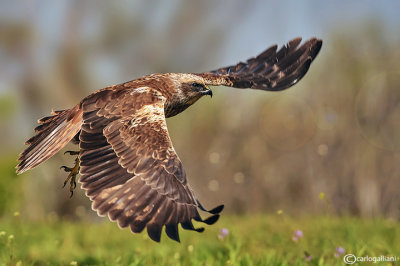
(252, 240)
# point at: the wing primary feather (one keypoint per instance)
(211, 220)
(154, 231)
(172, 231)
(272, 70)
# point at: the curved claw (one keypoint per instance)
(65, 182)
(71, 152)
(66, 169)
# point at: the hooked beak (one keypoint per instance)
(208, 91)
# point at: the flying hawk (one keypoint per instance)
(127, 163)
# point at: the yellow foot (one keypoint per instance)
(74, 171)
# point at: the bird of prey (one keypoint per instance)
(127, 163)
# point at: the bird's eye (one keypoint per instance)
(197, 85)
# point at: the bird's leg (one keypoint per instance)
(74, 171)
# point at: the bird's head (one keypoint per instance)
(190, 87)
(187, 89)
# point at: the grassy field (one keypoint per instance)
(252, 240)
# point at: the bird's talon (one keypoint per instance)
(66, 168)
(72, 152)
(71, 178)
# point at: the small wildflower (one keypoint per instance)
(223, 232)
(73, 263)
(2, 233)
(16, 214)
(297, 234)
(138, 251)
(279, 212)
(190, 248)
(307, 256)
(10, 239)
(322, 196)
(339, 251)
(177, 255)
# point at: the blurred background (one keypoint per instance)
(333, 139)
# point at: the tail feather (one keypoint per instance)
(53, 133)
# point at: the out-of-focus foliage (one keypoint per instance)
(335, 132)
(235, 240)
(10, 190)
(6, 108)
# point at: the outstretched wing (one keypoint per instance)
(271, 70)
(129, 167)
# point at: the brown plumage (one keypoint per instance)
(128, 165)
